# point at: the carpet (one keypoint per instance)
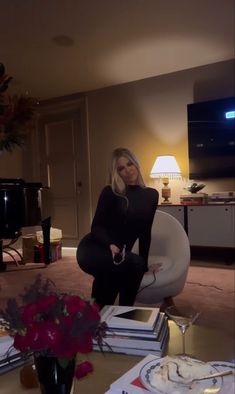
(209, 289)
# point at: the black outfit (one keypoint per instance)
(120, 221)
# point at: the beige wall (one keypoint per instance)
(11, 164)
(150, 118)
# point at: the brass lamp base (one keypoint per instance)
(166, 192)
(166, 203)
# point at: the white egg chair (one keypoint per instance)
(169, 257)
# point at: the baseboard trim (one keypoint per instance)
(213, 254)
(71, 252)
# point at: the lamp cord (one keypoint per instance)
(150, 284)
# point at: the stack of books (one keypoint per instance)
(222, 197)
(193, 199)
(134, 330)
(10, 358)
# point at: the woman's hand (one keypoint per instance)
(114, 249)
(155, 267)
(118, 254)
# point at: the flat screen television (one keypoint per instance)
(211, 139)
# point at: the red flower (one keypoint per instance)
(29, 312)
(45, 302)
(83, 344)
(83, 369)
(50, 335)
(20, 343)
(74, 304)
(94, 312)
(65, 349)
(33, 337)
(53, 324)
(66, 323)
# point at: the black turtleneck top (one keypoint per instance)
(122, 220)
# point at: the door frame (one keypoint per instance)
(48, 110)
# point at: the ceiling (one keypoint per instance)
(59, 47)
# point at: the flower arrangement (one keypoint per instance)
(51, 324)
(16, 115)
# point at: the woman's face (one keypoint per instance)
(127, 171)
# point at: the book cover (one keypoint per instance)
(129, 317)
(153, 334)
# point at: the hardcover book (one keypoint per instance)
(160, 321)
(130, 317)
(9, 357)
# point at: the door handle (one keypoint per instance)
(79, 186)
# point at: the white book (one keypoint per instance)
(6, 347)
(9, 356)
(130, 382)
(140, 333)
(130, 351)
(137, 342)
(138, 351)
(129, 317)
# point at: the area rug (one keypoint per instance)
(209, 289)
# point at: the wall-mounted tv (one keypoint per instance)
(211, 139)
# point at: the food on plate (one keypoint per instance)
(175, 371)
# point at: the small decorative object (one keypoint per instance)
(54, 327)
(195, 187)
(16, 115)
(28, 376)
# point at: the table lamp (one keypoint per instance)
(165, 168)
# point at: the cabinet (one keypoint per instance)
(211, 226)
(175, 210)
(206, 225)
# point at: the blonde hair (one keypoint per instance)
(116, 182)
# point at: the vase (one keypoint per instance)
(52, 377)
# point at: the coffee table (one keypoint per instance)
(203, 343)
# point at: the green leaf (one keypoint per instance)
(64, 362)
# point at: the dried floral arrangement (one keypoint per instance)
(16, 115)
(53, 324)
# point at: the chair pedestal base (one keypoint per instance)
(168, 301)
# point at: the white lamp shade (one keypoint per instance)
(165, 167)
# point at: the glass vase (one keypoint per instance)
(52, 377)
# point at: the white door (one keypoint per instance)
(64, 168)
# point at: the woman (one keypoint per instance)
(124, 213)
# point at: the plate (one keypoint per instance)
(196, 388)
(223, 366)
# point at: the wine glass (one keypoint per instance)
(183, 317)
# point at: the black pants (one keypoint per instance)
(109, 279)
